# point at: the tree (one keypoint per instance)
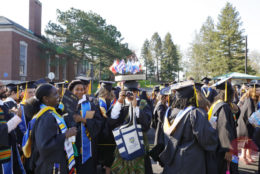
(170, 60)
(231, 45)
(156, 47)
(148, 59)
(87, 37)
(254, 60)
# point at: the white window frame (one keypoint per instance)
(23, 43)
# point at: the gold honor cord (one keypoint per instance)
(196, 96)
(226, 91)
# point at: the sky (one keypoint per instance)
(137, 20)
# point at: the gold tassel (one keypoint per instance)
(62, 90)
(226, 91)
(25, 93)
(18, 92)
(196, 96)
(89, 88)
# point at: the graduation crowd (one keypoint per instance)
(200, 128)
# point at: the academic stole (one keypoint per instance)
(7, 168)
(177, 120)
(85, 136)
(5, 152)
(211, 109)
(68, 145)
(208, 91)
(26, 143)
(23, 124)
(103, 106)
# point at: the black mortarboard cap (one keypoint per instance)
(156, 88)
(165, 84)
(222, 83)
(62, 84)
(30, 85)
(73, 83)
(165, 91)
(254, 83)
(12, 87)
(84, 79)
(106, 84)
(131, 85)
(184, 89)
(206, 80)
(40, 81)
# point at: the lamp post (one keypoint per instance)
(246, 55)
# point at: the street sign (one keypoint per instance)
(51, 76)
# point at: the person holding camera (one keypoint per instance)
(120, 115)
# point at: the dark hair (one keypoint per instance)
(35, 102)
(74, 83)
(182, 103)
(221, 95)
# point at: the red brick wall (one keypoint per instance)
(5, 54)
(35, 64)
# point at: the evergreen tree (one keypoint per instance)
(87, 37)
(148, 59)
(230, 45)
(156, 47)
(170, 60)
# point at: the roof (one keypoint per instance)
(7, 23)
(236, 75)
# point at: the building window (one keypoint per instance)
(57, 68)
(48, 65)
(64, 71)
(23, 58)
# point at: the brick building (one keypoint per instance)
(20, 54)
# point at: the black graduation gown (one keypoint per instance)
(211, 94)
(106, 142)
(184, 150)
(227, 137)
(145, 116)
(48, 145)
(94, 127)
(8, 140)
(245, 129)
(158, 114)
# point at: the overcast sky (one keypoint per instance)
(139, 19)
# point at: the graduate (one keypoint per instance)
(187, 134)
(29, 92)
(222, 119)
(119, 116)
(9, 156)
(156, 91)
(12, 95)
(106, 142)
(207, 90)
(159, 113)
(245, 130)
(89, 123)
(52, 152)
